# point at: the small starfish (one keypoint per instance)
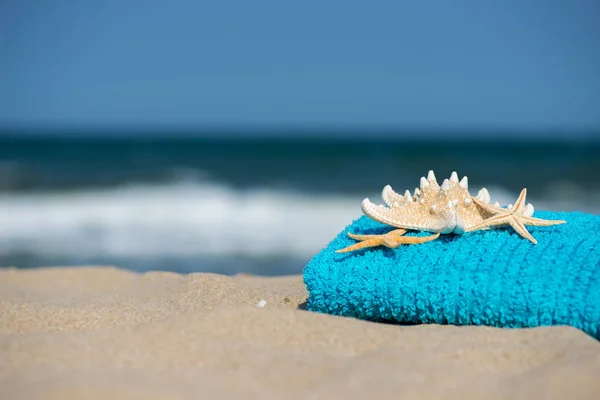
(512, 215)
(391, 239)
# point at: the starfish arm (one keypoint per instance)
(521, 230)
(391, 198)
(395, 241)
(520, 203)
(402, 217)
(541, 222)
(374, 242)
(488, 207)
(496, 220)
(398, 232)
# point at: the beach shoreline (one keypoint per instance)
(104, 332)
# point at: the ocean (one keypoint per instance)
(262, 206)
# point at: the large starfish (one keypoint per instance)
(444, 209)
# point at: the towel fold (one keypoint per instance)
(494, 277)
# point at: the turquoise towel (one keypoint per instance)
(494, 277)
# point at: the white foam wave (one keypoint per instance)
(172, 220)
(180, 220)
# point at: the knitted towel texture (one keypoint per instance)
(494, 277)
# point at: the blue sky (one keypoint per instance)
(426, 64)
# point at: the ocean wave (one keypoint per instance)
(172, 220)
(188, 219)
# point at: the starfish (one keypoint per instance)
(515, 216)
(391, 239)
(442, 209)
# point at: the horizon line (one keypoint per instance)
(297, 131)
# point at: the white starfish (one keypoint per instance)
(444, 209)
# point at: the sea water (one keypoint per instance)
(262, 206)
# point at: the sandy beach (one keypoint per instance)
(102, 332)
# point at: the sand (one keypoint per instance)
(105, 333)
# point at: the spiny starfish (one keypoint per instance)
(444, 209)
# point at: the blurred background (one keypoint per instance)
(238, 136)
